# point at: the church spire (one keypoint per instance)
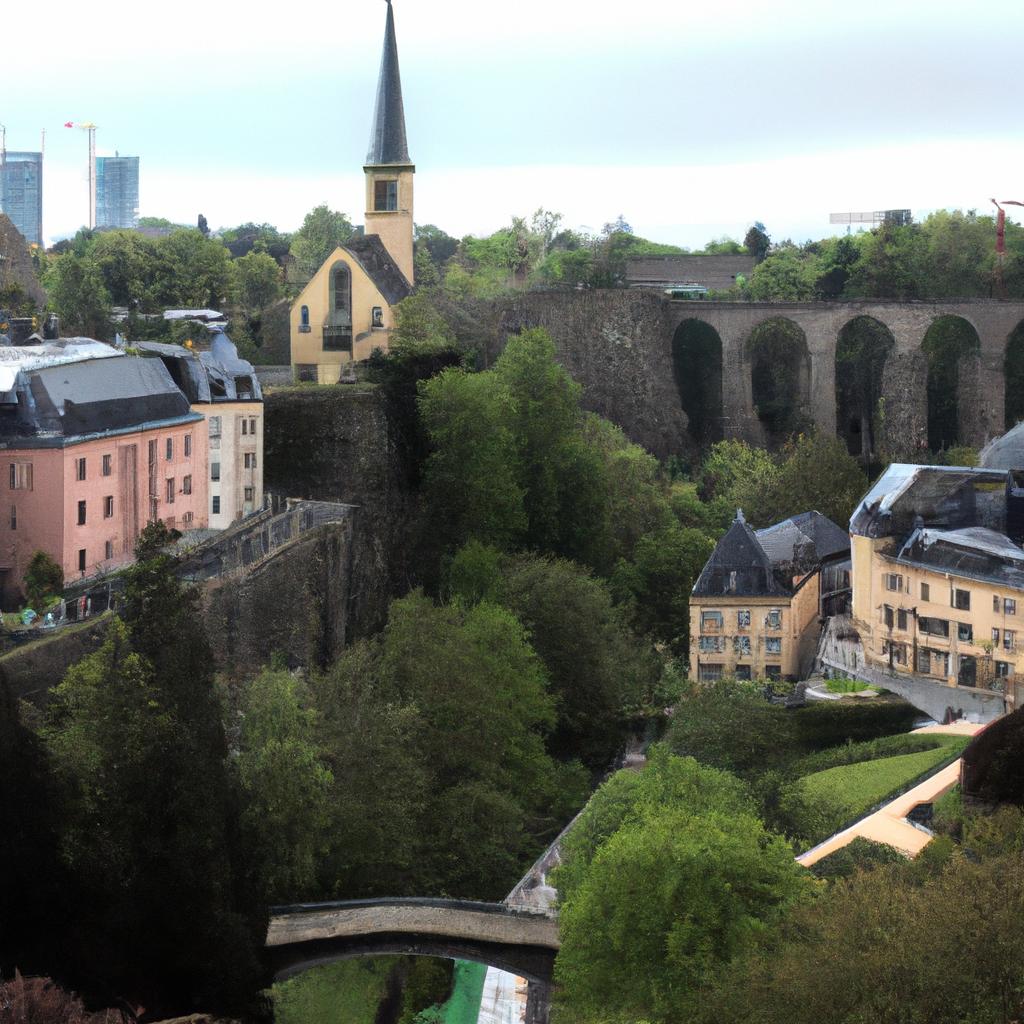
(387, 138)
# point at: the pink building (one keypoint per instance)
(89, 453)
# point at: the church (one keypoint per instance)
(345, 311)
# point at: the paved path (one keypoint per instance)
(889, 823)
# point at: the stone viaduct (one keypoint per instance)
(619, 345)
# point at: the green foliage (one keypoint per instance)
(348, 990)
(677, 889)
(285, 786)
(868, 750)
(78, 296)
(756, 241)
(947, 343)
(787, 275)
(255, 281)
(826, 723)
(737, 475)
(420, 326)
(864, 345)
(452, 702)
(859, 854)
(44, 579)
(322, 231)
(849, 686)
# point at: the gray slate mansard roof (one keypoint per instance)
(103, 395)
(370, 253)
(974, 553)
(808, 537)
(388, 144)
(738, 567)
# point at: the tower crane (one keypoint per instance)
(1001, 242)
(88, 126)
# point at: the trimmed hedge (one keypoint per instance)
(832, 723)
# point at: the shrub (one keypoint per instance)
(44, 579)
(832, 723)
(858, 855)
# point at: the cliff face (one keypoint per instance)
(16, 264)
(618, 345)
(338, 444)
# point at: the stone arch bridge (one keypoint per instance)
(308, 935)
(619, 345)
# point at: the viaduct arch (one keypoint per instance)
(624, 347)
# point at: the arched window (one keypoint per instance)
(304, 319)
(341, 289)
(338, 329)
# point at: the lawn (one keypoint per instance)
(345, 992)
(463, 1005)
(849, 686)
(822, 803)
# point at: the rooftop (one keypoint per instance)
(975, 553)
(738, 567)
(370, 253)
(805, 539)
(388, 145)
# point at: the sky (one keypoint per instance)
(690, 120)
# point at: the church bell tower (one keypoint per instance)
(389, 171)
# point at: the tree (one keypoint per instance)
(734, 473)
(78, 296)
(756, 241)
(255, 282)
(322, 231)
(285, 785)
(44, 579)
(191, 271)
(786, 275)
(126, 261)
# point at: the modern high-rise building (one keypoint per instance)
(117, 191)
(21, 193)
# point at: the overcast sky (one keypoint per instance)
(692, 120)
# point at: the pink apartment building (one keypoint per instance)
(89, 453)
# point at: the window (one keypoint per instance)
(215, 505)
(773, 645)
(341, 295)
(304, 320)
(926, 592)
(79, 469)
(186, 484)
(924, 661)
(935, 627)
(709, 673)
(21, 476)
(245, 426)
(962, 599)
(377, 317)
(743, 619)
(712, 645)
(773, 620)
(250, 460)
(995, 603)
(81, 513)
(1009, 639)
(188, 446)
(214, 470)
(108, 507)
(108, 467)
(14, 517)
(901, 618)
(742, 672)
(887, 616)
(773, 672)
(170, 490)
(170, 448)
(1009, 606)
(252, 425)
(995, 637)
(108, 549)
(741, 646)
(894, 581)
(965, 632)
(214, 426)
(187, 517)
(896, 653)
(1003, 669)
(249, 493)
(81, 559)
(385, 195)
(710, 622)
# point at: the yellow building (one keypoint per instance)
(938, 586)
(344, 311)
(755, 610)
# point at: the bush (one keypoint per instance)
(869, 750)
(848, 686)
(859, 855)
(833, 723)
(44, 579)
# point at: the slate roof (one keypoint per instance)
(370, 253)
(975, 553)
(218, 375)
(103, 394)
(806, 539)
(387, 137)
(738, 567)
(716, 272)
(1005, 452)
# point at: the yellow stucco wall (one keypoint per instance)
(899, 645)
(307, 346)
(395, 227)
(791, 630)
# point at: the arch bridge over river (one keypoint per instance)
(887, 376)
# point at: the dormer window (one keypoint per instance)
(385, 194)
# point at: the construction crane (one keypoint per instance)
(88, 126)
(1001, 243)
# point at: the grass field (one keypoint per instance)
(463, 1006)
(346, 992)
(852, 789)
(849, 686)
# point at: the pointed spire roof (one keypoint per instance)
(387, 138)
(738, 567)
